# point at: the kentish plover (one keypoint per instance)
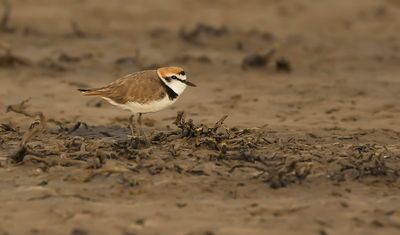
(144, 92)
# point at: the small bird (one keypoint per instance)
(144, 92)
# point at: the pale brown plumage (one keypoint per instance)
(140, 87)
(144, 92)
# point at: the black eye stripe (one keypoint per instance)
(168, 79)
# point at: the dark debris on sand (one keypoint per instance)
(202, 30)
(9, 59)
(253, 153)
(257, 60)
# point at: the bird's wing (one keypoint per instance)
(140, 87)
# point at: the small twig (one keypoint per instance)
(180, 118)
(34, 128)
(20, 108)
(77, 125)
(220, 123)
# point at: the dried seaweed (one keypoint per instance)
(35, 128)
(277, 161)
(189, 129)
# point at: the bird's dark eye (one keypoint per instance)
(174, 77)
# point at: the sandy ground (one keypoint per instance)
(310, 145)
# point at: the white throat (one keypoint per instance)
(177, 86)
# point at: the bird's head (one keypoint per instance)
(175, 78)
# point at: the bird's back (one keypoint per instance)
(140, 87)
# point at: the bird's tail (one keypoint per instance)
(90, 92)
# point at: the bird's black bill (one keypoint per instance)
(189, 83)
(186, 82)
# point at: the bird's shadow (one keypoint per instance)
(114, 132)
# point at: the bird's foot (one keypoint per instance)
(145, 141)
(138, 141)
(143, 137)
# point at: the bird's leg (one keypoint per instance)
(141, 132)
(132, 127)
(139, 121)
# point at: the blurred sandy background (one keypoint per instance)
(340, 72)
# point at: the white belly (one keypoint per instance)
(144, 108)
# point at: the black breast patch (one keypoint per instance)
(171, 93)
